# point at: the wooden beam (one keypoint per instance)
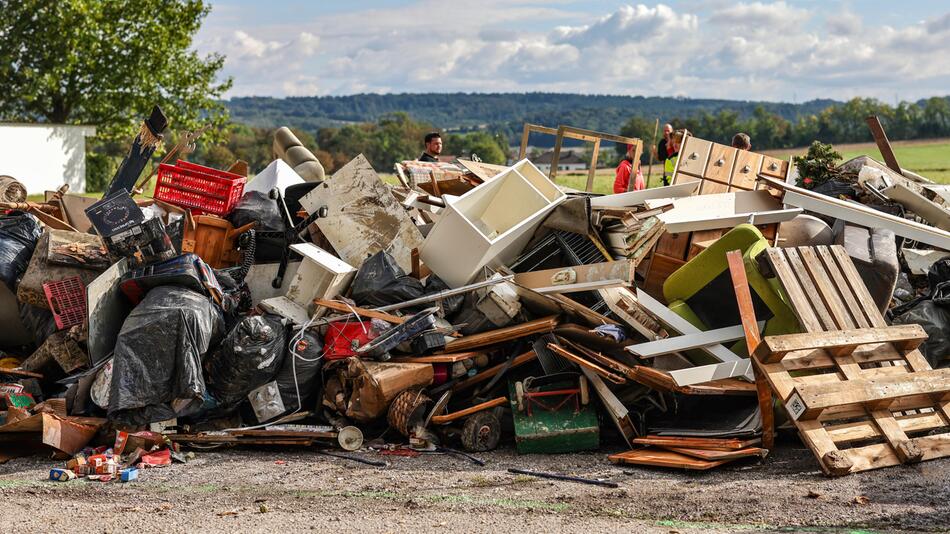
(373, 314)
(593, 167)
(875, 393)
(487, 405)
(556, 156)
(740, 284)
(712, 444)
(880, 137)
(437, 358)
(581, 133)
(635, 166)
(492, 337)
(581, 362)
(840, 342)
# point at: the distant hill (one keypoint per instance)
(505, 112)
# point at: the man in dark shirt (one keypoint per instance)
(663, 149)
(433, 147)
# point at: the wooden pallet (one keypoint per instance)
(861, 395)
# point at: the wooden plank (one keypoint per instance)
(712, 455)
(723, 444)
(586, 286)
(493, 337)
(363, 312)
(743, 294)
(810, 291)
(581, 362)
(864, 430)
(834, 271)
(877, 393)
(437, 358)
(793, 290)
(663, 458)
(593, 168)
(487, 405)
(880, 138)
(659, 347)
(635, 167)
(708, 373)
(826, 289)
(613, 406)
(489, 373)
(774, 348)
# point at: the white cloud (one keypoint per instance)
(748, 50)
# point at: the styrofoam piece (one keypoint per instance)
(490, 224)
(278, 174)
(636, 198)
(320, 275)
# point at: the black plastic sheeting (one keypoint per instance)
(305, 366)
(380, 281)
(157, 373)
(249, 357)
(933, 314)
(19, 232)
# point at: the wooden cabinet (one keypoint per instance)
(774, 167)
(744, 175)
(721, 161)
(693, 156)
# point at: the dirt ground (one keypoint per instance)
(297, 490)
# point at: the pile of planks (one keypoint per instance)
(691, 453)
(631, 233)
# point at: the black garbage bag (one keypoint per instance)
(249, 356)
(19, 232)
(935, 319)
(380, 281)
(300, 371)
(258, 207)
(156, 371)
(451, 305)
(938, 277)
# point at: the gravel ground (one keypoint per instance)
(296, 490)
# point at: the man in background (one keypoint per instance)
(433, 147)
(742, 141)
(663, 150)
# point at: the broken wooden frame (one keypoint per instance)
(581, 134)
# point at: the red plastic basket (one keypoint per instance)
(67, 300)
(203, 189)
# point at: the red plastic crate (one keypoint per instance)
(203, 189)
(67, 300)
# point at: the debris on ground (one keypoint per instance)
(475, 305)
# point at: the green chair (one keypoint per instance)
(701, 291)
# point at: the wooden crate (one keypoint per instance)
(860, 393)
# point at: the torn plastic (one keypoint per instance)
(156, 371)
(380, 281)
(249, 357)
(19, 232)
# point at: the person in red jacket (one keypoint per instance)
(623, 174)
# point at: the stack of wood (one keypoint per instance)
(689, 452)
(629, 233)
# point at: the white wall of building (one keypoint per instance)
(45, 156)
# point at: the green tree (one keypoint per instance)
(106, 63)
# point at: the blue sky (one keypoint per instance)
(788, 51)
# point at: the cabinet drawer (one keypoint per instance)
(721, 160)
(747, 165)
(693, 156)
(774, 167)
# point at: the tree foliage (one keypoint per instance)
(106, 63)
